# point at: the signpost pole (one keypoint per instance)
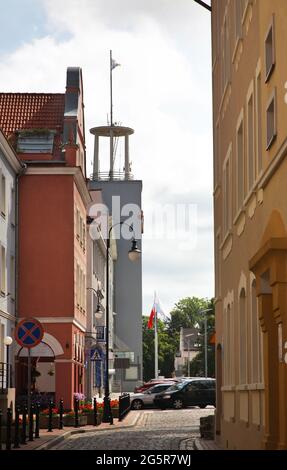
(29, 380)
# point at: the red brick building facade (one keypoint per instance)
(47, 131)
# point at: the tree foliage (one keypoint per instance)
(186, 314)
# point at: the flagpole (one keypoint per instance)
(111, 85)
(155, 347)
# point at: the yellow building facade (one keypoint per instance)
(249, 42)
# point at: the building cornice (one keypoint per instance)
(76, 172)
(61, 320)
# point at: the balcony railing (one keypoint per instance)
(5, 377)
(111, 175)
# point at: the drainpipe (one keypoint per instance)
(24, 168)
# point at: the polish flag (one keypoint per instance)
(155, 310)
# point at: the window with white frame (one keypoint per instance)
(3, 269)
(242, 338)
(12, 277)
(3, 195)
(270, 50)
(250, 140)
(271, 130)
(240, 162)
(227, 193)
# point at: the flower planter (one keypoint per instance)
(90, 418)
(115, 412)
(70, 420)
(44, 422)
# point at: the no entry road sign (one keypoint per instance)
(29, 333)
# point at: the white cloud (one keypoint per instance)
(162, 90)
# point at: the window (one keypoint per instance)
(259, 123)
(227, 191)
(255, 338)
(269, 51)
(3, 270)
(228, 343)
(271, 121)
(225, 54)
(3, 195)
(217, 266)
(12, 277)
(242, 338)
(250, 137)
(240, 164)
(238, 19)
(35, 142)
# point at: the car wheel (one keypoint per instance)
(137, 405)
(202, 406)
(178, 404)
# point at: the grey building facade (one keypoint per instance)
(123, 197)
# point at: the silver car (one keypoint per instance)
(140, 400)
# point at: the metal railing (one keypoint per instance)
(111, 175)
(5, 376)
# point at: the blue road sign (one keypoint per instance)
(29, 333)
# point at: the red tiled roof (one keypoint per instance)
(31, 111)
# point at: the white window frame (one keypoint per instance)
(270, 141)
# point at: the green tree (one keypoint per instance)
(186, 314)
(165, 350)
(197, 365)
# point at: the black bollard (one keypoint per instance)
(31, 423)
(61, 411)
(8, 429)
(37, 424)
(17, 437)
(50, 425)
(95, 412)
(76, 409)
(111, 412)
(0, 429)
(24, 425)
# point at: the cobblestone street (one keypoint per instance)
(155, 430)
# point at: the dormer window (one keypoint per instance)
(36, 141)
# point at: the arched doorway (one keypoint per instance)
(43, 371)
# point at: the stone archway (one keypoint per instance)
(269, 266)
(43, 366)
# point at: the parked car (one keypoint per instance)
(152, 382)
(146, 398)
(195, 392)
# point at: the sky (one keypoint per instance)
(162, 90)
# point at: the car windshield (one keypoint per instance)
(178, 386)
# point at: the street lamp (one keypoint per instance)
(8, 341)
(205, 337)
(134, 254)
(98, 312)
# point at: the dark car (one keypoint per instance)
(196, 392)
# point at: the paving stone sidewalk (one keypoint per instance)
(50, 439)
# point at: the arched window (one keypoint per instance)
(228, 373)
(242, 338)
